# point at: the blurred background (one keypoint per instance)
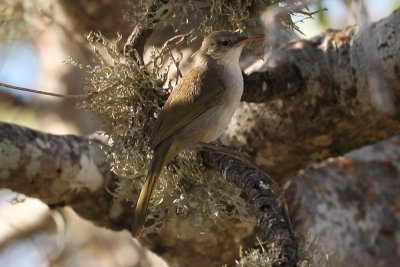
(37, 60)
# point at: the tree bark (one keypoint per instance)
(317, 99)
(61, 171)
(256, 185)
(350, 206)
(73, 171)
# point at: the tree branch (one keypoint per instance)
(320, 98)
(255, 184)
(71, 170)
(338, 200)
(60, 171)
(332, 61)
(136, 41)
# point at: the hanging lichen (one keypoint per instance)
(130, 98)
(130, 95)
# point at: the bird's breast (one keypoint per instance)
(233, 81)
(218, 117)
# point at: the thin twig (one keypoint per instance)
(176, 63)
(165, 49)
(47, 93)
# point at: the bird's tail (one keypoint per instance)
(157, 163)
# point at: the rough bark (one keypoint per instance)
(61, 171)
(315, 103)
(363, 187)
(256, 185)
(72, 171)
(317, 98)
(350, 206)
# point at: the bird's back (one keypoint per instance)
(198, 91)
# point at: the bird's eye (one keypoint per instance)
(225, 43)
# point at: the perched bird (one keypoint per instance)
(198, 109)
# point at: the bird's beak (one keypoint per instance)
(251, 38)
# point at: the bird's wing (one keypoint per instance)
(188, 102)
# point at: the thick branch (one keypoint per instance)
(350, 206)
(335, 62)
(71, 170)
(255, 184)
(60, 171)
(318, 98)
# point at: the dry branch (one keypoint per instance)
(136, 41)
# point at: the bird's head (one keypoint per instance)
(225, 46)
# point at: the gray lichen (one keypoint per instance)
(211, 15)
(33, 167)
(130, 95)
(9, 157)
(264, 254)
(129, 100)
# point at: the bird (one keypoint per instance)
(198, 110)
